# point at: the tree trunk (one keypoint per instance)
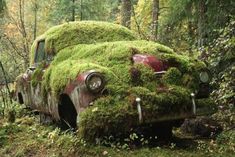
(35, 19)
(4, 102)
(73, 11)
(155, 15)
(6, 81)
(190, 34)
(81, 10)
(201, 23)
(2, 6)
(190, 26)
(24, 33)
(126, 13)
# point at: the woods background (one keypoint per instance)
(203, 29)
(197, 28)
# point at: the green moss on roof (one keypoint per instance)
(85, 32)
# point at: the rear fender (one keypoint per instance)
(23, 88)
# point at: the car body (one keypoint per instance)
(100, 77)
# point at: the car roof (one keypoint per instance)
(82, 32)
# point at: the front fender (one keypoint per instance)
(78, 92)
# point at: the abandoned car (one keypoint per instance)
(99, 77)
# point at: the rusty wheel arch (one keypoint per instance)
(20, 98)
(67, 113)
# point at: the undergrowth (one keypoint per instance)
(27, 137)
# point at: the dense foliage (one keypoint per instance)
(222, 63)
(64, 10)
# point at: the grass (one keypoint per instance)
(27, 137)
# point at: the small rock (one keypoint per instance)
(105, 153)
(201, 126)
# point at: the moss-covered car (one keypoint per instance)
(101, 78)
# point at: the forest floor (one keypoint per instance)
(26, 137)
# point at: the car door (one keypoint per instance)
(36, 72)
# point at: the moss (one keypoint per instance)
(190, 81)
(85, 32)
(119, 108)
(106, 116)
(37, 75)
(173, 76)
(178, 61)
(196, 65)
(108, 48)
(111, 58)
(206, 106)
(143, 75)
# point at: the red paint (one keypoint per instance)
(150, 60)
(80, 80)
(70, 87)
(81, 77)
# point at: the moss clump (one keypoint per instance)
(143, 75)
(85, 32)
(173, 76)
(109, 113)
(190, 81)
(178, 61)
(37, 75)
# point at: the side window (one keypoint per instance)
(40, 52)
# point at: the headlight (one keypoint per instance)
(204, 77)
(95, 82)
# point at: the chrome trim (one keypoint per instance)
(160, 72)
(138, 101)
(193, 103)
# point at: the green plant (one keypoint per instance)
(222, 64)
